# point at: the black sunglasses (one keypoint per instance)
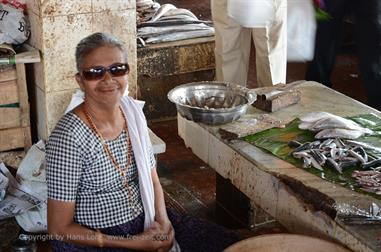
(99, 72)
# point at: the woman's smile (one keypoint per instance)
(108, 89)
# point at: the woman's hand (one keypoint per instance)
(152, 239)
(167, 233)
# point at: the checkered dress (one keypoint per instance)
(79, 170)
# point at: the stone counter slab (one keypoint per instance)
(286, 192)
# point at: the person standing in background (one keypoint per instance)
(233, 43)
(367, 16)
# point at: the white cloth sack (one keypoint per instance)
(141, 143)
(301, 30)
(252, 13)
(14, 25)
(31, 174)
(4, 181)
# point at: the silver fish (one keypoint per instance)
(180, 11)
(337, 153)
(318, 156)
(342, 133)
(326, 143)
(332, 163)
(315, 164)
(306, 125)
(339, 143)
(301, 154)
(140, 3)
(318, 121)
(360, 150)
(374, 163)
(337, 122)
(181, 36)
(145, 32)
(364, 145)
(305, 146)
(314, 116)
(176, 18)
(344, 164)
(141, 41)
(306, 162)
(161, 11)
(172, 22)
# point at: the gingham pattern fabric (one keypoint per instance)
(79, 170)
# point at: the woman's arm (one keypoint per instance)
(62, 227)
(160, 211)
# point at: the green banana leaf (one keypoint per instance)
(276, 140)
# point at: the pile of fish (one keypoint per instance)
(163, 23)
(339, 154)
(335, 153)
(332, 126)
(336, 148)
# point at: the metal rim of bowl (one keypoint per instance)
(250, 95)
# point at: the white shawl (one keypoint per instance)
(141, 144)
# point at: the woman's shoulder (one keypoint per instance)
(69, 126)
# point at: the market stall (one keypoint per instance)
(301, 201)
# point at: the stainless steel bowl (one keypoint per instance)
(211, 102)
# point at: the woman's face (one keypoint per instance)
(109, 89)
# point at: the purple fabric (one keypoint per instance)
(192, 234)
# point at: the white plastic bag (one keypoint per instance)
(31, 174)
(3, 186)
(301, 30)
(14, 25)
(252, 13)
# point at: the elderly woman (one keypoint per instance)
(103, 189)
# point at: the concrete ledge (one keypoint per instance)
(157, 144)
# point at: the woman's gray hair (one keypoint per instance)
(94, 41)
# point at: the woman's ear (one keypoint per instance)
(79, 80)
